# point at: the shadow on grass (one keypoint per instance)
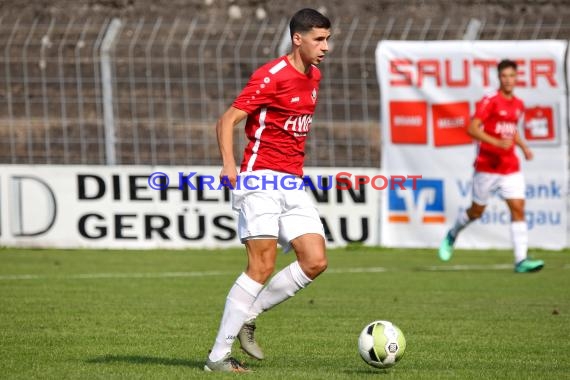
(139, 359)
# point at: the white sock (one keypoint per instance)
(460, 223)
(282, 286)
(239, 301)
(519, 237)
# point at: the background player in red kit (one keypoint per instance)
(495, 127)
(278, 102)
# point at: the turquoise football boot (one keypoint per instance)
(446, 247)
(529, 266)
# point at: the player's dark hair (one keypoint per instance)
(306, 19)
(505, 64)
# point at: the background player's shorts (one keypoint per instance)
(508, 186)
(271, 204)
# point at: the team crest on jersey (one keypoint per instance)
(314, 95)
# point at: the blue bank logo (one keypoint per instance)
(422, 205)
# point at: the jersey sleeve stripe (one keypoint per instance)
(258, 133)
(277, 67)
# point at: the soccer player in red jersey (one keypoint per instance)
(494, 126)
(278, 102)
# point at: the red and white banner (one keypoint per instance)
(429, 91)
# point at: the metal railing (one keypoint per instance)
(162, 83)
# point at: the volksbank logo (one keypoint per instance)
(422, 204)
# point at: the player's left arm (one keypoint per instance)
(528, 155)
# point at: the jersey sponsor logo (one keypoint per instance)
(408, 122)
(506, 129)
(450, 121)
(295, 99)
(299, 124)
(539, 124)
(423, 204)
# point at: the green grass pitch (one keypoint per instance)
(154, 314)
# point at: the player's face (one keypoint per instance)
(314, 45)
(508, 79)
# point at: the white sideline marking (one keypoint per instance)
(357, 270)
(451, 268)
(20, 277)
(89, 276)
(147, 275)
(437, 268)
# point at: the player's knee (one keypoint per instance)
(316, 267)
(517, 216)
(266, 271)
(260, 271)
(322, 266)
(475, 213)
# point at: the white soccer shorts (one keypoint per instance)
(271, 204)
(507, 186)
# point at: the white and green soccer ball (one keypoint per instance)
(381, 344)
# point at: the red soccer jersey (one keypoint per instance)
(499, 117)
(280, 102)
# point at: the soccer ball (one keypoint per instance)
(381, 344)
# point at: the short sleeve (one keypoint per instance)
(484, 109)
(258, 92)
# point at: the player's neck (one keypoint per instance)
(506, 94)
(296, 61)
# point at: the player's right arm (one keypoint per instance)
(225, 133)
(483, 113)
(474, 130)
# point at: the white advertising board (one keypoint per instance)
(119, 207)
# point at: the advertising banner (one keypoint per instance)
(159, 207)
(429, 92)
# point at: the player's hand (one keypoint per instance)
(528, 155)
(228, 174)
(504, 143)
